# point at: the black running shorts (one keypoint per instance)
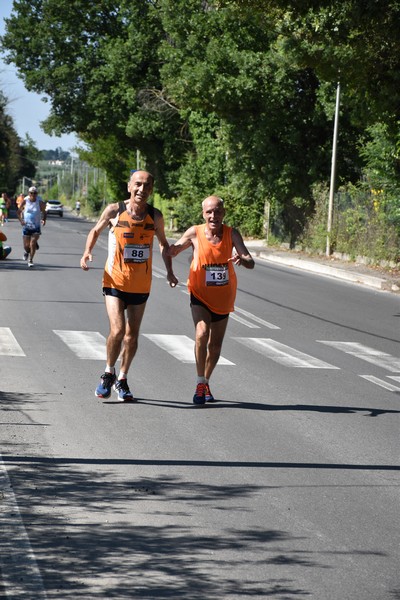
(214, 316)
(126, 296)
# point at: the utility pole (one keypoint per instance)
(333, 172)
(23, 183)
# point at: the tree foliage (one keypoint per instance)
(235, 97)
(17, 158)
(57, 154)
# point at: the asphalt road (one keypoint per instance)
(286, 488)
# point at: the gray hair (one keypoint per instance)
(133, 171)
(220, 200)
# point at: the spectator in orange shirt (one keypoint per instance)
(19, 200)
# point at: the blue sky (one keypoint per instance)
(25, 108)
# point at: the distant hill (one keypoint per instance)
(57, 154)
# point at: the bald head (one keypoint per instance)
(213, 212)
(140, 175)
(140, 186)
(214, 201)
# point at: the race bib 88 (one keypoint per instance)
(136, 253)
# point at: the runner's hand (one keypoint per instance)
(172, 280)
(86, 257)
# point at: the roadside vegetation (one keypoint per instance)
(233, 97)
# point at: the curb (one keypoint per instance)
(368, 280)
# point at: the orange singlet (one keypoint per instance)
(212, 279)
(130, 251)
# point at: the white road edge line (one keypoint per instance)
(21, 577)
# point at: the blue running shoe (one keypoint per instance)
(200, 394)
(209, 396)
(103, 390)
(123, 391)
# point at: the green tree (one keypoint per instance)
(273, 131)
(234, 97)
(381, 151)
(356, 41)
(16, 156)
(99, 76)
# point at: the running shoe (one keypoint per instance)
(103, 390)
(123, 391)
(209, 396)
(26, 254)
(200, 394)
(30, 263)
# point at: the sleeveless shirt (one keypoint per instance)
(130, 252)
(32, 213)
(212, 279)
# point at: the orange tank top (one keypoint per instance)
(212, 279)
(130, 252)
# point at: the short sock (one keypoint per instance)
(122, 375)
(110, 369)
(201, 380)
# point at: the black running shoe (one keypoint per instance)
(123, 391)
(103, 390)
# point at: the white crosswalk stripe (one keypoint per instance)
(247, 314)
(179, 346)
(8, 343)
(91, 345)
(249, 324)
(159, 273)
(382, 383)
(370, 355)
(255, 318)
(87, 345)
(284, 355)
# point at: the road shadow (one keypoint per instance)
(254, 406)
(125, 528)
(85, 525)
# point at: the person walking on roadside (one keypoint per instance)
(4, 250)
(31, 214)
(212, 285)
(127, 275)
(5, 205)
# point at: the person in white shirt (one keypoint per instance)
(31, 214)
